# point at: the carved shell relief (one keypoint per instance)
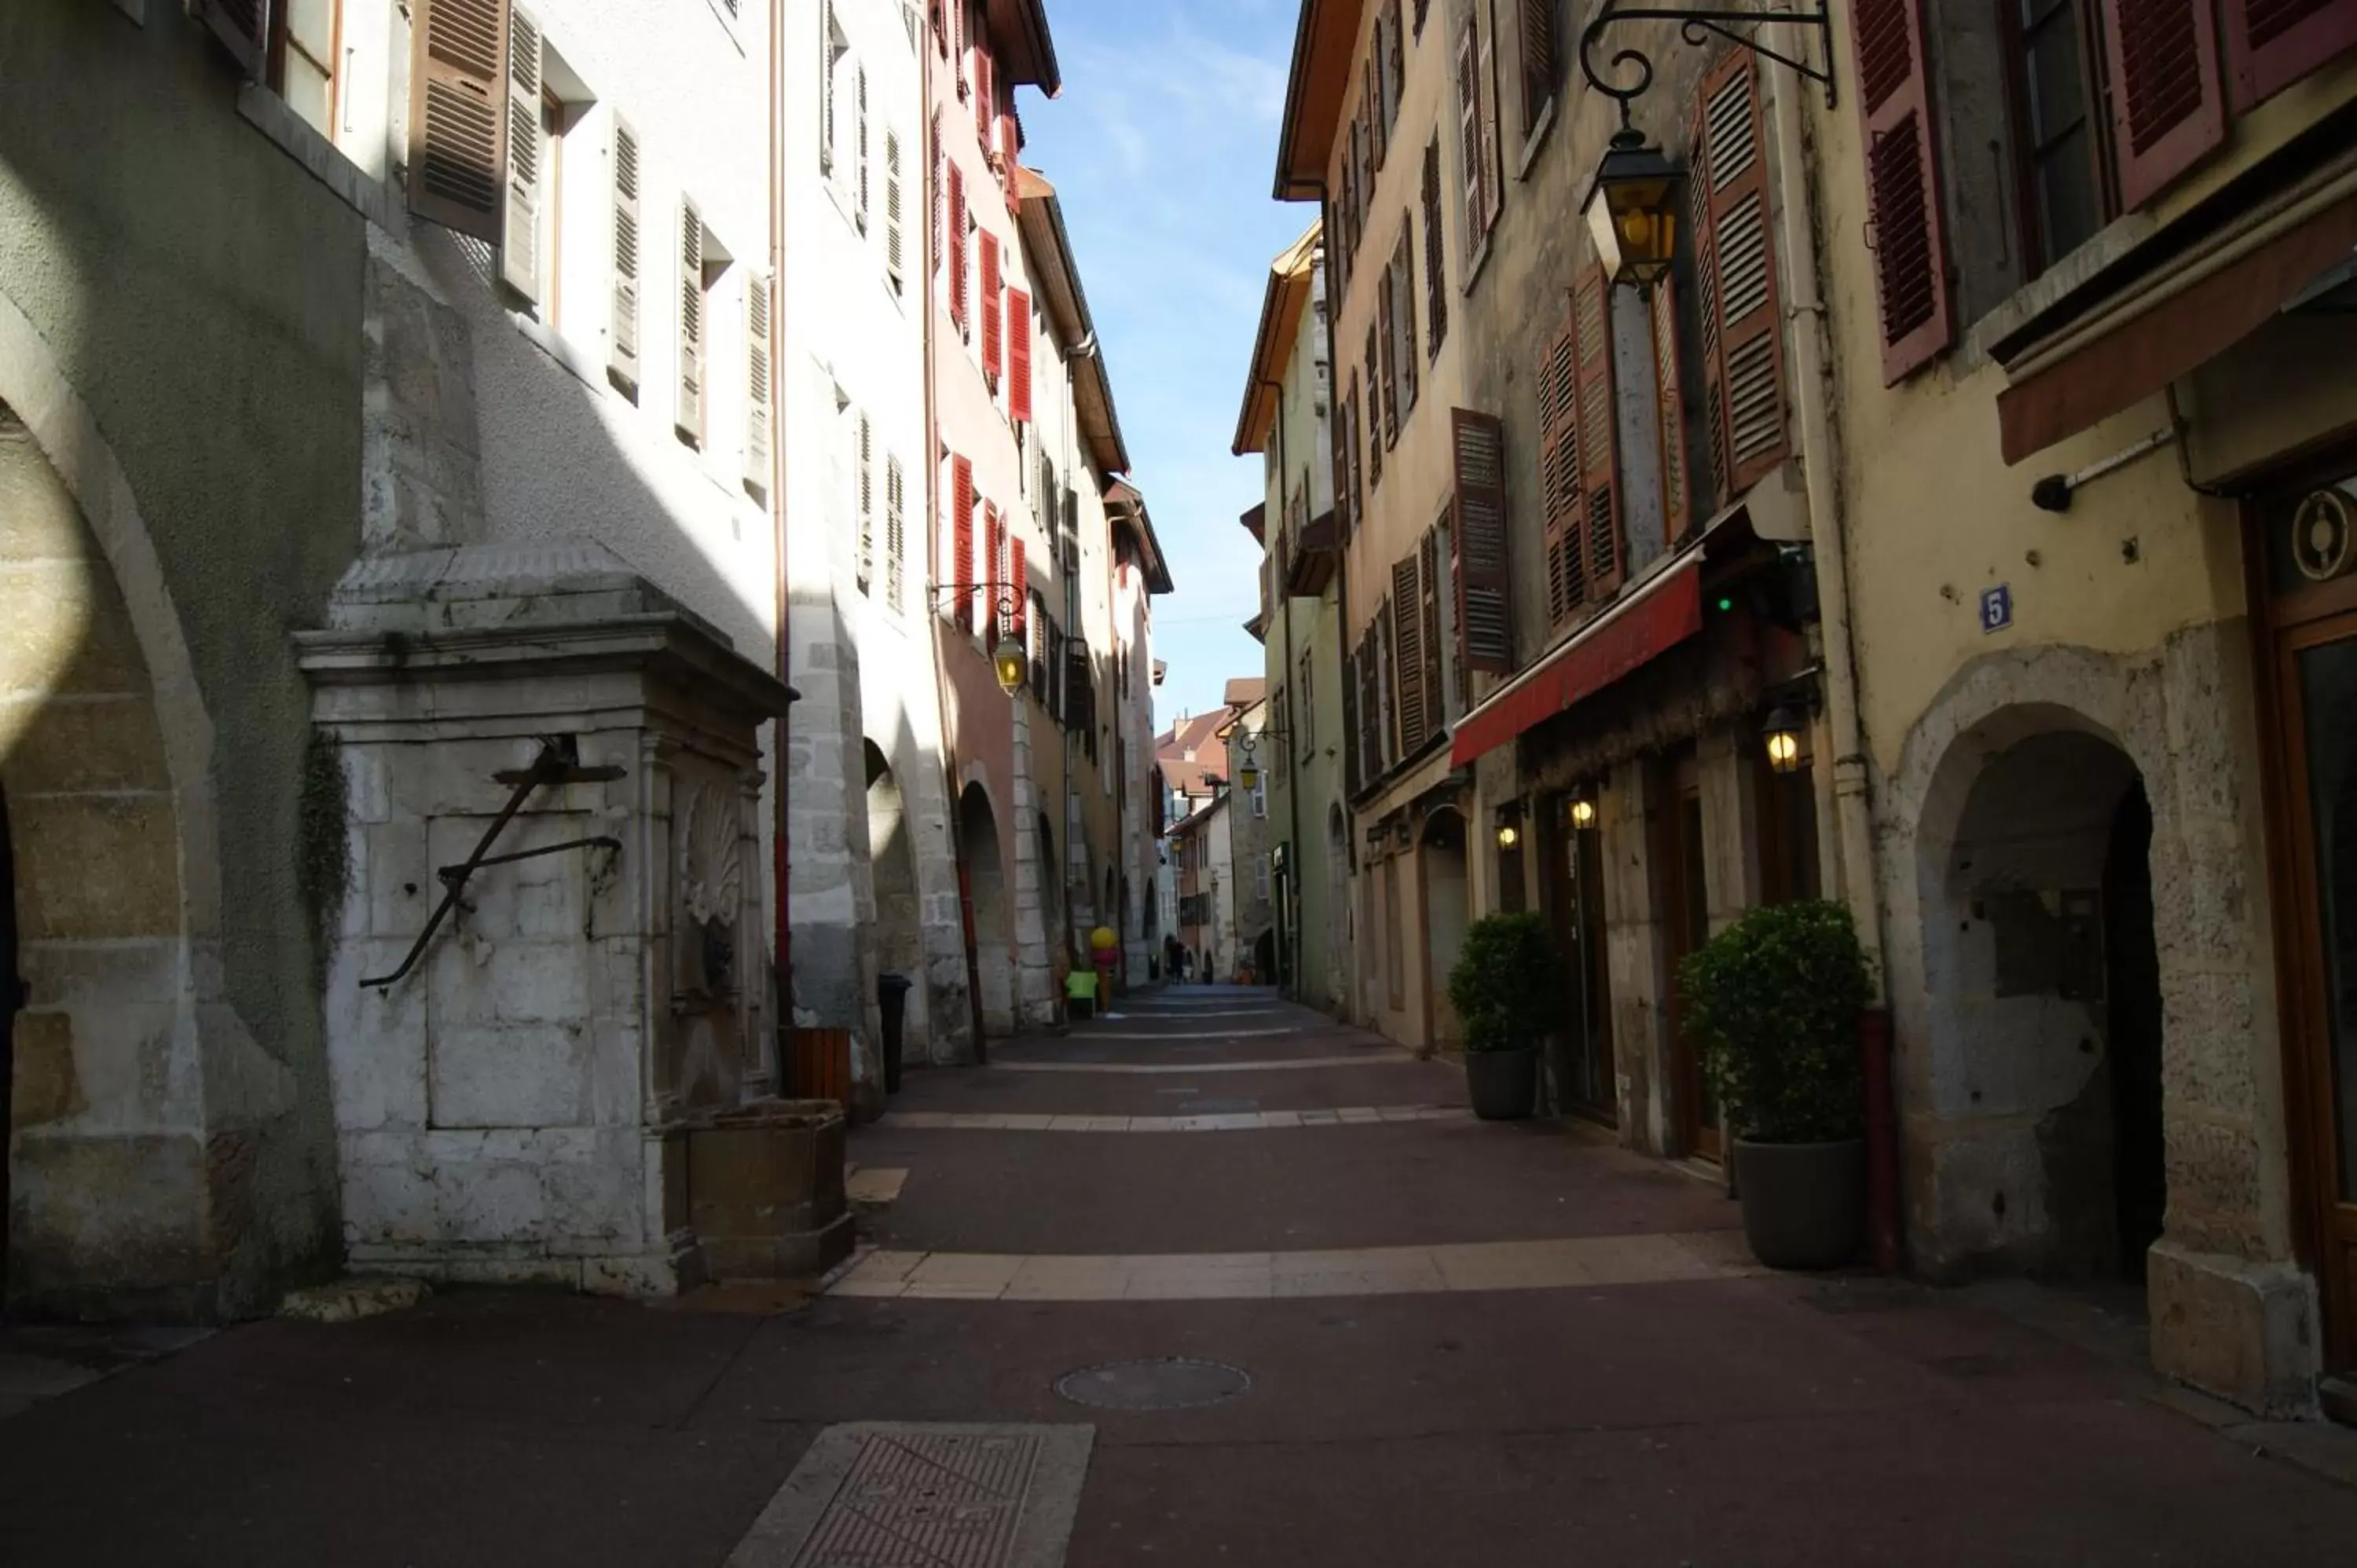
(711, 888)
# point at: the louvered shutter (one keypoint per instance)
(1388, 335)
(1485, 568)
(1351, 439)
(1427, 613)
(994, 568)
(1538, 60)
(1599, 433)
(2270, 43)
(1484, 82)
(243, 28)
(957, 245)
(1557, 383)
(1737, 247)
(1435, 266)
(1020, 579)
(896, 533)
(986, 96)
(829, 55)
(1018, 356)
(1338, 458)
(961, 537)
(1371, 98)
(1388, 678)
(690, 320)
(859, 139)
(1670, 404)
(1469, 135)
(623, 342)
(1403, 281)
(2167, 108)
(937, 221)
(520, 225)
(757, 389)
(867, 459)
(1376, 383)
(1407, 653)
(894, 260)
(1353, 741)
(456, 110)
(987, 304)
(1902, 185)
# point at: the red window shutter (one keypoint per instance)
(243, 28)
(2270, 43)
(988, 303)
(961, 525)
(1018, 356)
(986, 102)
(1599, 433)
(1669, 391)
(1485, 568)
(957, 245)
(2166, 109)
(1557, 382)
(1736, 247)
(1902, 185)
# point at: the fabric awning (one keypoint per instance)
(2133, 349)
(1651, 621)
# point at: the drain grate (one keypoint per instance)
(1172, 1383)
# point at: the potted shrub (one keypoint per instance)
(1773, 1001)
(1507, 989)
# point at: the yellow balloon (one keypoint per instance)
(1103, 938)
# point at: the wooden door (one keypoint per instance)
(1684, 905)
(2315, 692)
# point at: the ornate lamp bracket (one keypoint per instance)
(1697, 27)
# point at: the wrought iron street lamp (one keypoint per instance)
(1247, 769)
(1010, 661)
(1782, 732)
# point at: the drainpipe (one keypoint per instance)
(1853, 810)
(781, 868)
(1289, 939)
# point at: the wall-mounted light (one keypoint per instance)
(1782, 732)
(1632, 209)
(1012, 664)
(1508, 826)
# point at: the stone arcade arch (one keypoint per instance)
(899, 931)
(989, 920)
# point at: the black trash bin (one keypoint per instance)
(892, 993)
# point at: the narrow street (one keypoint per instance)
(1374, 1330)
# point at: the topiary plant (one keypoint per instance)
(1773, 1001)
(1507, 986)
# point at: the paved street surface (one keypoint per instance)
(1316, 1315)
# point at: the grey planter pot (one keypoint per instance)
(1503, 1085)
(1804, 1204)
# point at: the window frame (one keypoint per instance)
(282, 38)
(2022, 151)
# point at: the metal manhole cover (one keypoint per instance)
(1172, 1383)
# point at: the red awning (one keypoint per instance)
(1660, 615)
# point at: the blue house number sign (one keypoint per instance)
(1996, 608)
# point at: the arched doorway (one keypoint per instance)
(1338, 908)
(981, 887)
(1051, 893)
(2045, 1008)
(1444, 918)
(899, 933)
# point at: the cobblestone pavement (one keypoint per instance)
(1281, 1303)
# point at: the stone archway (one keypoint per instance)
(113, 1168)
(1446, 915)
(2042, 985)
(990, 926)
(899, 931)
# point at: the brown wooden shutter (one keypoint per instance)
(1375, 384)
(1902, 185)
(988, 303)
(961, 537)
(2167, 108)
(1738, 245)
(1394, 58)
(520, 225)
(1556, 379)
(757, 391)
(1018, 356)
(1485, 568)
(1386, 326)
(1358, 499)
(2270, 43)
(243, 28)
(457, 104)
(1469, 135)
(1402, 282)
(1354, 739)
(1407, 653)
(1670, 403)
(1599, 433)
(691, 321)
(1436, 268)
(1538, 60)
(1427, 608)
(1371, 91)
(622, 341)
(1484, 90)
(957, 245)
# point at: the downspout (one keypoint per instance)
(1288, 940)
(782, 866)
(1853, 808)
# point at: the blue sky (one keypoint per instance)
(1162, 147)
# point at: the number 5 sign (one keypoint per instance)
(1996, 608)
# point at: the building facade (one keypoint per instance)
(1288, 416)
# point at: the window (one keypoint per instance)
(306, 47)
(834, 49)
(895, 536)
(895, 269)
(1477, 131)
(864, 454)
(1399, 278)
(1538, 31)
(2062, 193)
(622, 341)
(1260, 795)
(1260, 876)
(1305, 719)
(694, 314)
(757, 303)
(1435, 282)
